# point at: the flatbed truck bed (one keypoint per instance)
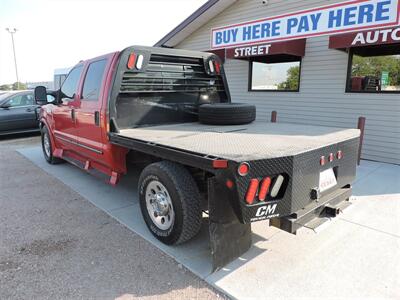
(258, 140)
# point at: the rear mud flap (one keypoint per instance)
(229, 238)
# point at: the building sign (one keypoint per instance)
(295, 47)
(365, 38)
(385, 78)
(250, 51)
(347, 16)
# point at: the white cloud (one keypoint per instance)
(59, 33)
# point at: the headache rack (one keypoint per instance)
(171, 74)
(167, 88)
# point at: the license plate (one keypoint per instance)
(327, 180)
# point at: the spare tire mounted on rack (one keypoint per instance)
(227, 113)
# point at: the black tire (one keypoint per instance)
(227, 113)
(185, 198)
(49, 156)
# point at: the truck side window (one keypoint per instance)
(93, 80)
(70, 85)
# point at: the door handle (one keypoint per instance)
(97, 118)
(29, 109)
(73, 114)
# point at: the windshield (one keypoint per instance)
(4, 96)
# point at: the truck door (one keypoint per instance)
(88, 115)
(64, 113)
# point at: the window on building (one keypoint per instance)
(93, 79)
(275, 76)
(374, 70)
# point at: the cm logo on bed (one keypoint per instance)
(265, 211)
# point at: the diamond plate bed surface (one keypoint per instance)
(254, 141)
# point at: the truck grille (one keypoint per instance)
(169, 74)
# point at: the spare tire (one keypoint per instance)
(227, 113)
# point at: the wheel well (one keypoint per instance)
(141, 160)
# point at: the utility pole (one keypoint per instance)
(12, 32)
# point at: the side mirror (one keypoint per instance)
(40, 95)
(5, 105)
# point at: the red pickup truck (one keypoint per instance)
(170, 111)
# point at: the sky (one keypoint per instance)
(59, 33)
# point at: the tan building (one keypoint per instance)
(315, 62)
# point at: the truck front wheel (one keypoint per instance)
(47, 147)
(170, 202)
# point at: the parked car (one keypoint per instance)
(18, 112)
(171, 110)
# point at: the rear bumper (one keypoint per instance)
(302, 175)
(316, 212)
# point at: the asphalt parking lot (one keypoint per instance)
(54, 244)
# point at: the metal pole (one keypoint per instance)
(12, 32)
(274, 116)
(361, 126)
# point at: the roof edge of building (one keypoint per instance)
(189, 21)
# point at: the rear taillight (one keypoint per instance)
(139, 61)
(322, 161)
(277, 186)
(264, 189)
(135, 61)
(220, 164)
(230, 184)
(211, 66)
(331, 157)
(243, 169)
(252, 191)
(131, 61)
(217, 67)
(339, 155)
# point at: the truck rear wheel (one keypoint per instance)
(227, 113)
(47, 147)
(170, 202)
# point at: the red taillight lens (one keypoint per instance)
(220, 164)
(252, 191)
(131, 61)
(322, 161)
(266, 183)
(243, 169)
(331, 157)
(339, 154)
(217, 67)
(229, 184)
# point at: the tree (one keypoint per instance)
(20, 86)
(374, 66)
(292, 80)
(5, 87)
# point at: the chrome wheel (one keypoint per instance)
(159, 205)
(46, 144)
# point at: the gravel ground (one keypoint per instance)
(54, 244)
